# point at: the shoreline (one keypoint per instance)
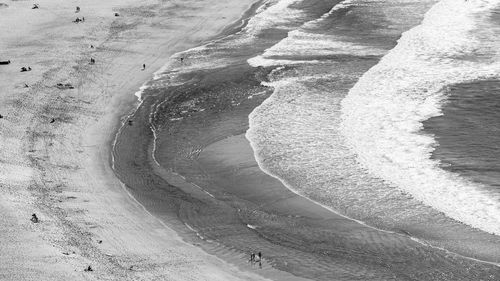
(85, 216)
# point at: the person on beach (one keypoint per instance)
(182, 60)
(252, 257)
(260, 256)
(34, 218)
(77, 9)
(92, 61)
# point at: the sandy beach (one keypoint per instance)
(55, 142)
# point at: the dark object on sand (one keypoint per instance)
(24, 69)
(52, 121)
(130, 122)
(5, 62)
(83, 18)
(88, 269)
(92, 46)
(77, 9)
(99, 241)
(182, 59)
(92, 61)
(77, 20)
(62, 86)
(35, 6)
(143, 66)
(117, 15)
(1, 116)
(26, 85)
(34, 218)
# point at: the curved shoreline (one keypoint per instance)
(168, 174)
(55, 152)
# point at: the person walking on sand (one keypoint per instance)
(143, 66)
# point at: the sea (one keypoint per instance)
(384, 112)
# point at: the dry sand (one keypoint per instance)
(60, 170)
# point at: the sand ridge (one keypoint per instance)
(54, 159)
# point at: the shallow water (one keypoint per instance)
(309, 57)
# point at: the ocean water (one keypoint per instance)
(382, 111)
(357, 145)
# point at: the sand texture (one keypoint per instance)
(54, 157)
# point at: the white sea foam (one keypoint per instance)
(302, 44)
(384, 111)
(273, 14)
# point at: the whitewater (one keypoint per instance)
(384, 111)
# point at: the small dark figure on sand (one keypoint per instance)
(88, 268)
(52, 121)
(26, 85)
(130, 122)
(24, 69)
(260, 255)
(92, 61)
(34, 218)
(77, 9)
(252, 257)
(1, 116)
(92, 46)
(117, 15)
(35, 6)
(143, 66)
(182, 60)
(77, 20)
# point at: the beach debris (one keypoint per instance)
(24, 69)
(34, 218)
(62, 86)
(5, 62)
(89, 268)
(35, 6)
(52, 121)
(131, 267)
(117, 15)
(77, 9)
(92, 61)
